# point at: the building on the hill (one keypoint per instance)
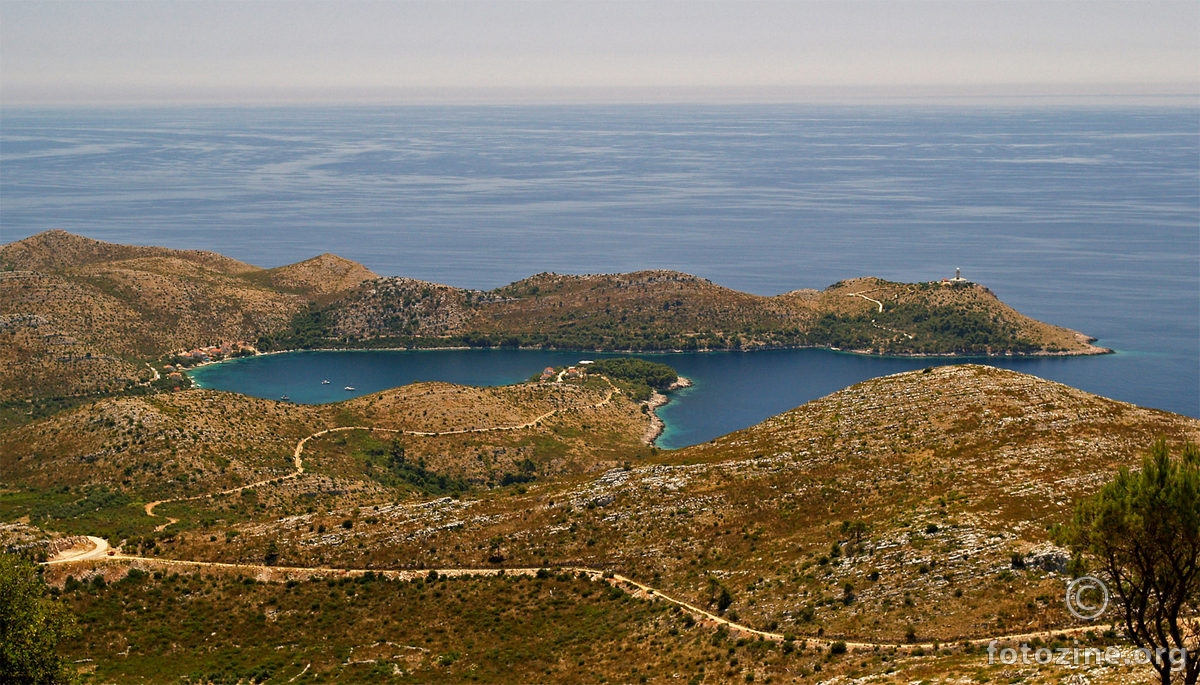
(957, 278)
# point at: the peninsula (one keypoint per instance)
(80, 316)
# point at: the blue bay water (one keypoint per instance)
(1088, 218)
(731, 390)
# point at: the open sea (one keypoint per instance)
(1083, 217)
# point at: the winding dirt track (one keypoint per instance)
(877, 302)
(297, 454)
(617, 580)
(100, 553)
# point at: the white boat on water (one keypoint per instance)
(325, 382)
(349, 387)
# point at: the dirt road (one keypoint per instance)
(97, 550)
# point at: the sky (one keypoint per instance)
(263, 52)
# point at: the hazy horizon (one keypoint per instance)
(657, 51)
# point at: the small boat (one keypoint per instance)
(349, 388)
(325, 382)
(284, 398)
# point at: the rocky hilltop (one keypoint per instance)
(320, 277)
(57, 250)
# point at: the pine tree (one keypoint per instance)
(1143, 529)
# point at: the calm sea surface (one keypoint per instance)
(731, 390)
(1087, 218)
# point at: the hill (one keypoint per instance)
(94, 467)
(58, 250)
(665, 310)
(82, 316)
(935, 318)
(910, 508)
(950, 472)
(320, 277)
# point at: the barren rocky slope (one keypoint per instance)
(320, 277)
(928, 484)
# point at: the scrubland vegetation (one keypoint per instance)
(874, 534)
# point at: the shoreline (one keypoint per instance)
(657, 399)
(657, 426)
(1090, 351)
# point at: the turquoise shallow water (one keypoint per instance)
(732, 390)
